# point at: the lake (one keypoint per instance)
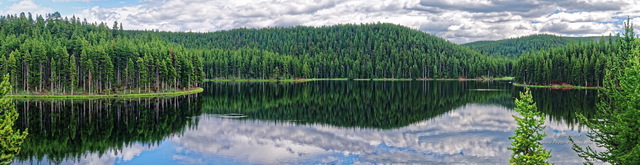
(320, 122)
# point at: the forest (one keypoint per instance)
(583, 64)
(54, 55)
(577, 63)
(376, 50)
(513, 48)
(383, 50)
(57, 55)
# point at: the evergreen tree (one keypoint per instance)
(618, 118)
(130, 74)
(72, 72)
(142, 73)
(525, 144)
(358, 51)
(10, 139)
(577, 64)
(516, 47)
(39, 58)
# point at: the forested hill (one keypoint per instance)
(582, 63)
(354, 51)
(516, 47)
(56, 55)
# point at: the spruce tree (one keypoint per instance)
(72, 73)
(525, 144)
(617, 122)
(10, 140)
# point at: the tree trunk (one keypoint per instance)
(40, 70)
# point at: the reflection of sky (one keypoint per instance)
(472, 134)
(114, 156)
(469, 135)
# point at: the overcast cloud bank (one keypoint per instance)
(459, 21)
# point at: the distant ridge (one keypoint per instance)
(515, 47)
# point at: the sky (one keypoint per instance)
(458, 21)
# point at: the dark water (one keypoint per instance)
(327, 122)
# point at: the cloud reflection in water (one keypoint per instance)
(472, 134)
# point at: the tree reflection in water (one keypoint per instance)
(310, 123)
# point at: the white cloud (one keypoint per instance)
(26, 6)
(599, 16)
(127, 153)
(75, 0)
(457, 21)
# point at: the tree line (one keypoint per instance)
(515, 47)
(576, 63)
(353, 51)
(66, 56)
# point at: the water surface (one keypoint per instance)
(337, 122)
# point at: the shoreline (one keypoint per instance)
(177, 93)
(357, 79)
(554, 87)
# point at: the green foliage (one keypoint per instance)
(93, 58)
(340, 51)
(576, 63)
(10, 140)
(516, 47)
(63, 55)
(618, 118)
(526, 145)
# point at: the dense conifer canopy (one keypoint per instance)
(60, 55)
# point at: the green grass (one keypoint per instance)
(357, 79)
(176, 93)
(557, 87)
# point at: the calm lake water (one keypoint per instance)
(325, 122)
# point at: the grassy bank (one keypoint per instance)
(176, 93)
(555, 86)
(357, 79)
